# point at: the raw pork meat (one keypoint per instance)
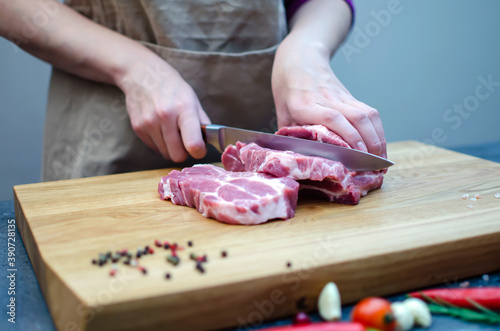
(317, 176)
(231, 197)
(313, 132)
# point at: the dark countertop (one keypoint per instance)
(32, 313)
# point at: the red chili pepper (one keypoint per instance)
(323, 326)
(488, 297)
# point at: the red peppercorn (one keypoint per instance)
(143, 270)
(301, 319)
(150, 251)
(201, 258)
(158, 243)
(112, 272)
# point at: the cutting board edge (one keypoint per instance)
(53, 296)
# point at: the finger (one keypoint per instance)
(376, 121)
(155, 134)
(172, 138)
(149, 142)
(144, 134)
(359, 119)
(374, 116)
(284, 118)
(189, 125)
(336, 122)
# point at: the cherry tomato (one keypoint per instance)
(375, 313)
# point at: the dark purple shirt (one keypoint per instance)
(292, 6)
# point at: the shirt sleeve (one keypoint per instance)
(292, 6)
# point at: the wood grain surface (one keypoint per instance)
(414, 232)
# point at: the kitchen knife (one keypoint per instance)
(221, 136)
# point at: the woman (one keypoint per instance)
(159, 68)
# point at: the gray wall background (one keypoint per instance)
(415, 61)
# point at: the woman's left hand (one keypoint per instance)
(306, 91)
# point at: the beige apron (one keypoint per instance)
(223, 48)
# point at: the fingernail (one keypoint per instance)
(384, 155)
(362, 146)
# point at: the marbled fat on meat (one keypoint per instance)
(231, 197)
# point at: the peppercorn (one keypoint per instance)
(173, 259)
(289, 264)
(94, 261)
(102, 259)
(158, 243)
(190, 243)
(143, 270)
(112, 272)
(223, 254)
(301, 319)
(115, 258)
(199, 267)
(202, 258)
(167, 276)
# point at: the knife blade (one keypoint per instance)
(221, 136)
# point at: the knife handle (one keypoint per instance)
(211, 135)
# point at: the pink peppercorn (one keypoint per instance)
(301, 319)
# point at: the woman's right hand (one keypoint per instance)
(164, 110)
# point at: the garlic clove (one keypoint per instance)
(329, 306)
(420, 311)
(403, 315)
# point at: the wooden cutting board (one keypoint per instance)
(414, 232)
